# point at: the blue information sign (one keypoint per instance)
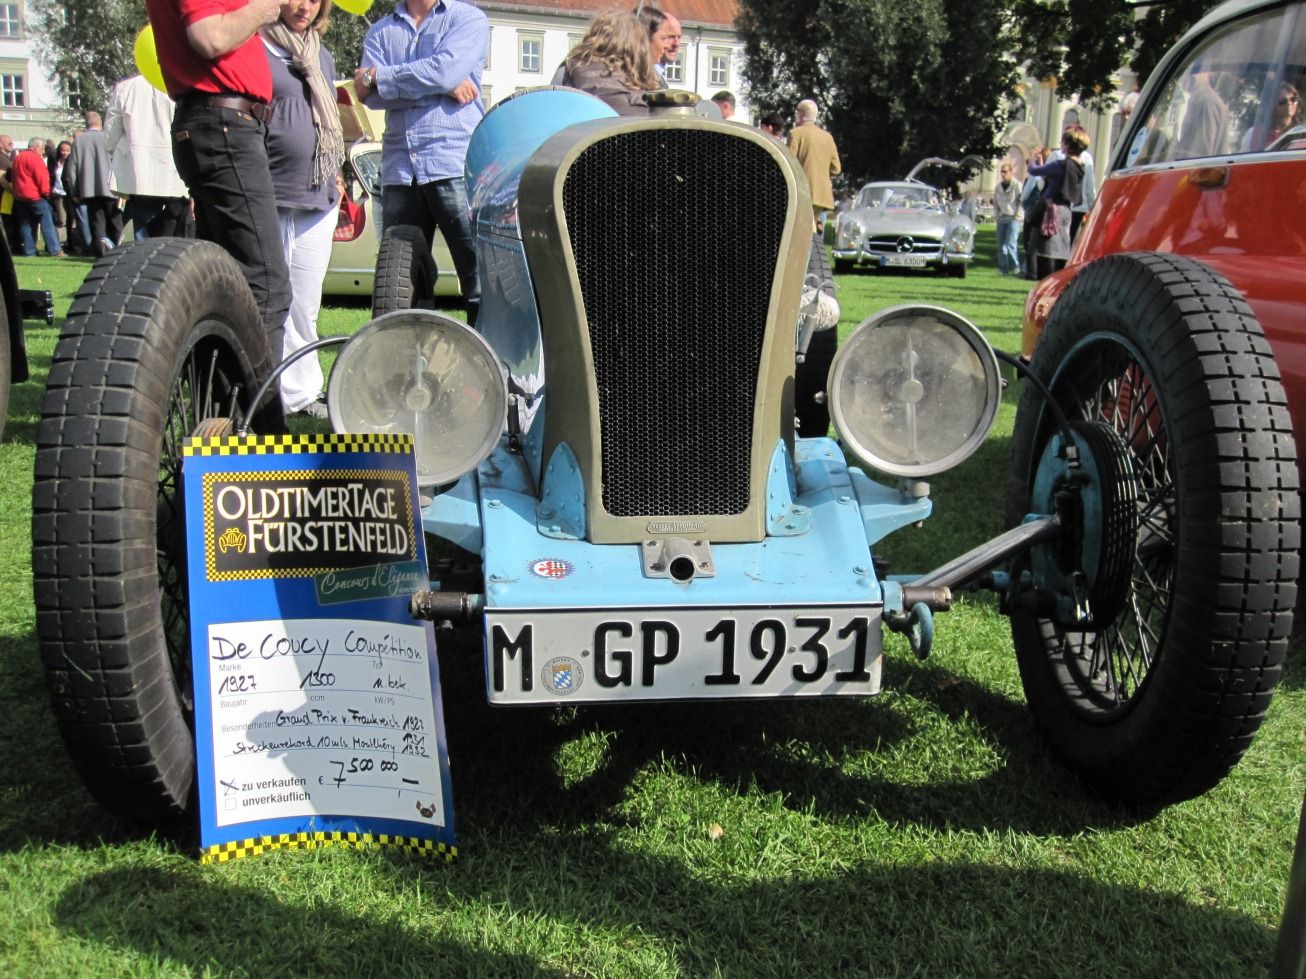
(317, 696)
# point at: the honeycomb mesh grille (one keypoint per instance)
(676, 329)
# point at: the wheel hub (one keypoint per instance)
(1086, 570)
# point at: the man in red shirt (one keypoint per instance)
(216, 70)
(31, 187)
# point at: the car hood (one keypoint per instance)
(901, 220)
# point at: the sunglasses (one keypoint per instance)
(1289, 100)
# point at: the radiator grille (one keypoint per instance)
(676, 235)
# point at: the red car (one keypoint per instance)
(1179, 320)
(1212, 166)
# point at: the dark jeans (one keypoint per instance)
(441, 204)
(159, 217)
(29, 214)
(223, 159)
(106, 223)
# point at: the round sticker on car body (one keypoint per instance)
(550, 567)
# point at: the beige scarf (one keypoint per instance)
(305, 54)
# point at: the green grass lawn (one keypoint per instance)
(923, 832)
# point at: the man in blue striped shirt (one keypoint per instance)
(422, 64)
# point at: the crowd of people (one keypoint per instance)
(245, 148)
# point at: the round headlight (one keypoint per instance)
(430, 376)
(914, 391)
(959, 239)
(849, 232)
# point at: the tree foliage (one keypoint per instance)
(1083, 45)
(896, 81)
(88, 45)
(900, 81)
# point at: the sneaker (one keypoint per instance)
(314, 409)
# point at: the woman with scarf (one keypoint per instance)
(305, 150)
(1063, 187)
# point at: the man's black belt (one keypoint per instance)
(259, 110)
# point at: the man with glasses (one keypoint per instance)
(1006, 206)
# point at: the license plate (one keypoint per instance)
(577, 655)
(906, 261)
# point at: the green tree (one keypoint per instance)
(88, 45)
(900, 81)
(1083, 45)
(896, 82)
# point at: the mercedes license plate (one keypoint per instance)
(548, 656)
(906, 261)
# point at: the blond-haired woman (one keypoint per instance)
(613, 62)
(305, 150)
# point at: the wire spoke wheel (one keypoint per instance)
(1155, 700)
(162, 342)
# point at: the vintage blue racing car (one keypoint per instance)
(612, 450)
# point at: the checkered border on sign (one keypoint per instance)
(262, 445)
(239, 849)
(210, 559)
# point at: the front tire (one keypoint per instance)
(1158, 703)
(163, 338)
(405, 272)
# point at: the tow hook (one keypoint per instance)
(917, 625)
(915, 617)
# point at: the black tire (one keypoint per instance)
(811, 412)
(844, 266)
(405, 272)
(818, 266)
(955, 271)
(163, 335)
(1156, 705)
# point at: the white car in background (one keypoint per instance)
(352, 271)
(903, 224)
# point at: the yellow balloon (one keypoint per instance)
(358, 7)
(147, 58)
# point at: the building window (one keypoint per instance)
(530, 48)
(12, 91)
(11, 24)
(675, 71)
(489, 50)
(73, 90)
(718, 68)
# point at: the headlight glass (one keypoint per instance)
(430, 376)
(914, 391)
(849, 233)
(959, 239)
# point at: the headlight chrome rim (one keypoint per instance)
(452, 367)
(850, 373)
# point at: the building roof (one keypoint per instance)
(713, 13)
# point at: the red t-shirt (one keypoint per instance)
(31, 177)
(243, 71)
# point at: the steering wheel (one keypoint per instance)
(1288, 136)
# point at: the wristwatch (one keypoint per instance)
(369, 78)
